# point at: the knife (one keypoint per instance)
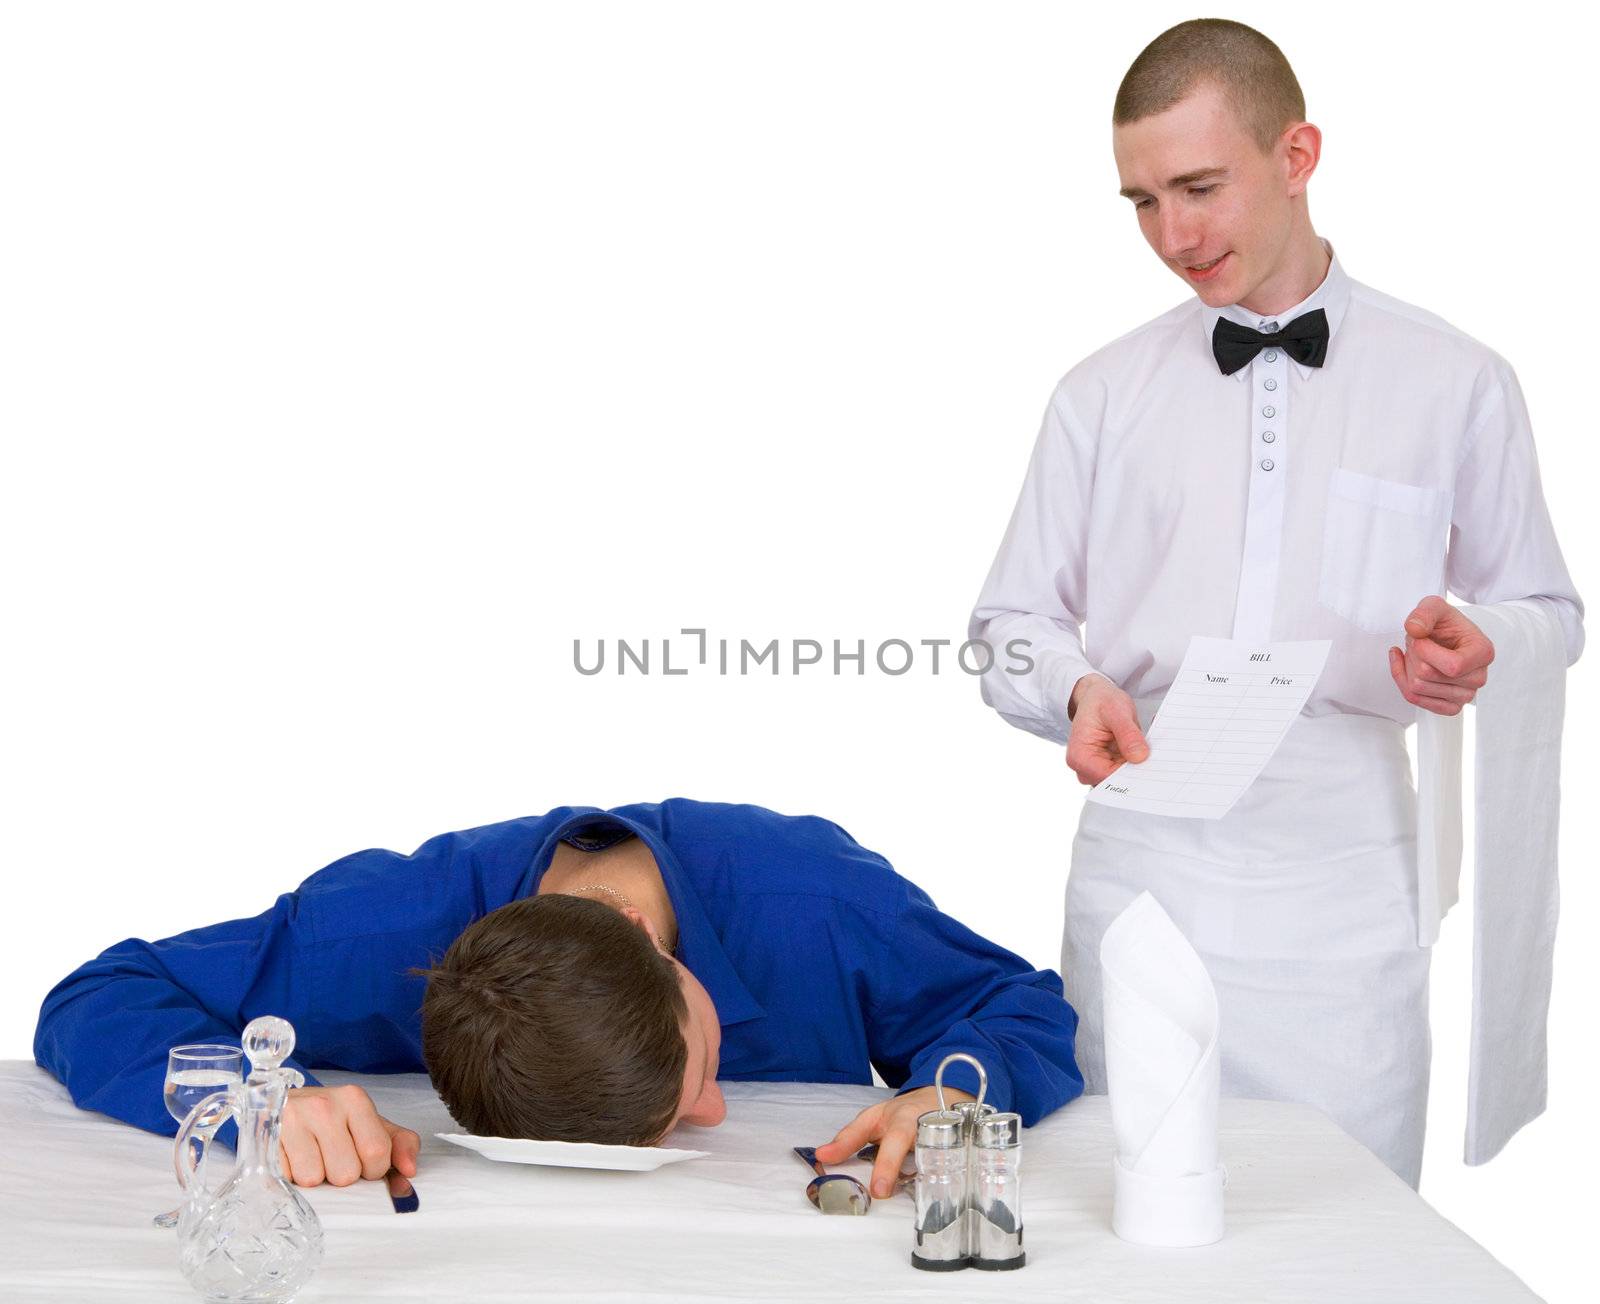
(401, 1193)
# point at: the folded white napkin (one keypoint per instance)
(1163, 1072)
(1517, 783)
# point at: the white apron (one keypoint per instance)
(1302, 902)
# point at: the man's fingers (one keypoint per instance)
(1088, 751)
(1418, 626)
(1445, 697)
(1125, 729)
(1090, 766)
(305, 1158)
(1451, 647)
(892, 1149)
(1444, 662)
(312, 1128)
(1444, 691)
(405, 1145)
(1104, 735)
(1438, 705)
(1414, 693)
(1427, 614)
(852, 1136)
(372, 1142)
(341, 1165)
(336, 1134)
(1474, 680)
(1423, 680)
(1426, 680)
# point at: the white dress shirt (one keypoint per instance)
(1284, 501)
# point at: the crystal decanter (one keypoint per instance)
(254, 1240)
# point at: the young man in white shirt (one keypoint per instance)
(1286, 455)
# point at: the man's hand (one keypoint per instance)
(1445, 661)
(338, 1134)
(893, 1125)
(1105, 730)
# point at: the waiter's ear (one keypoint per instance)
(1303, 145)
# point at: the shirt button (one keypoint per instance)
(1268, 326)
(1272, 355)
(1269, 384)
(1269, 411)
(1267, 464)
(1267, 436)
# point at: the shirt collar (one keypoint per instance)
(1332, 296)
(699, 948)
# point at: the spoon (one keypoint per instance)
(833, 1192)
(906, 1176)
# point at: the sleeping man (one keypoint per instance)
(582, 975)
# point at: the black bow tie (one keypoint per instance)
(1305, 339)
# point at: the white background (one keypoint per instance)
(354, 360)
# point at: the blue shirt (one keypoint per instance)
(822, 963)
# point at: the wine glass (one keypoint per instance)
(193, 1073)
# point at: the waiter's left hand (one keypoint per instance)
(892, 1124)
(1446, 659)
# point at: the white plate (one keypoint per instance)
(570, 1154)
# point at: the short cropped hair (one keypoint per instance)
(1251, 71)
(555, 1018)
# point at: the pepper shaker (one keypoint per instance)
(996, 1193)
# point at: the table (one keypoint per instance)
(1311, 1214)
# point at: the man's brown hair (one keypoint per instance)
(1251, 71)
(555, 1018)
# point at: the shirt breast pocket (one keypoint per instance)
(1383, 547)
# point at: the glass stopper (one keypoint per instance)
(268, 1041)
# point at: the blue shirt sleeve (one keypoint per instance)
(940, 988)
(331, 957)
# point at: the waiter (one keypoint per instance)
(1288, 454)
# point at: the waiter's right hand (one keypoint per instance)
(1105, 730)
(337, 1133)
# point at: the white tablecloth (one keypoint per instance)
(1311, 1216)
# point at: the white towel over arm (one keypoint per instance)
(1517, 773)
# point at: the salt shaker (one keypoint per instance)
(996, 1193)
(941, 1192)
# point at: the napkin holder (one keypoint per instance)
(1173, 1212)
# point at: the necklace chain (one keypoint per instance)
(621, 900)
(609, 891)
